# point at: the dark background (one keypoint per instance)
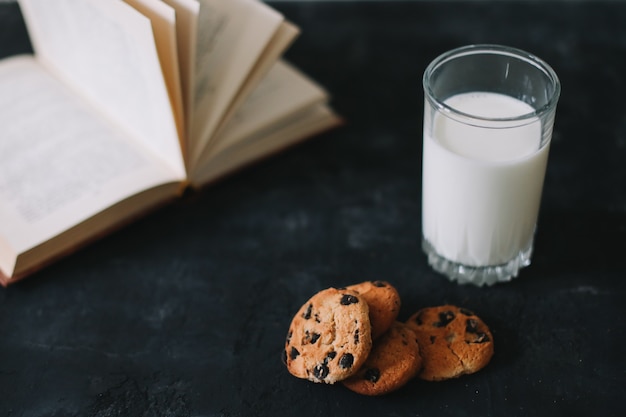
(184, 312)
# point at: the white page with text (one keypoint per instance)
(60, 163)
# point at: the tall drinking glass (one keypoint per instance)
(488, 117)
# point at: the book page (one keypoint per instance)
(232, 34)
(105, 50)
(285, 91)
(163, 18)
(263, 143)
(60, 163)
(283, 37)
(187, 12)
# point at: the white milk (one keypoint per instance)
(481, 186)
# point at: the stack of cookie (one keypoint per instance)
(352, 335)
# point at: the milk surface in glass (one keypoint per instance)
(482, 186)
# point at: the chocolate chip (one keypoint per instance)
(348, 299)
(372, 375)
(321, 371)
(346, 361)
(379, 284)
(445, 317)
(418, 318)
(471, 326)
(307, 313)
(310, 337)
(356, 337)
(330, 356)
(288, 339)
(432, 339)
(481, 338)
(294, 353)
(466, 312)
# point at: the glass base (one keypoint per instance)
(477, 275)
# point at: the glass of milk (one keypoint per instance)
(488, 117)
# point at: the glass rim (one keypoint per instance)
(494, 49)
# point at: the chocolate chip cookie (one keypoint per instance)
(393, 361)
(453, 341)
(329, 337)
(384, 303)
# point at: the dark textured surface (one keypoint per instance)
(184, 312)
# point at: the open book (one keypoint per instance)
(126, 103)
